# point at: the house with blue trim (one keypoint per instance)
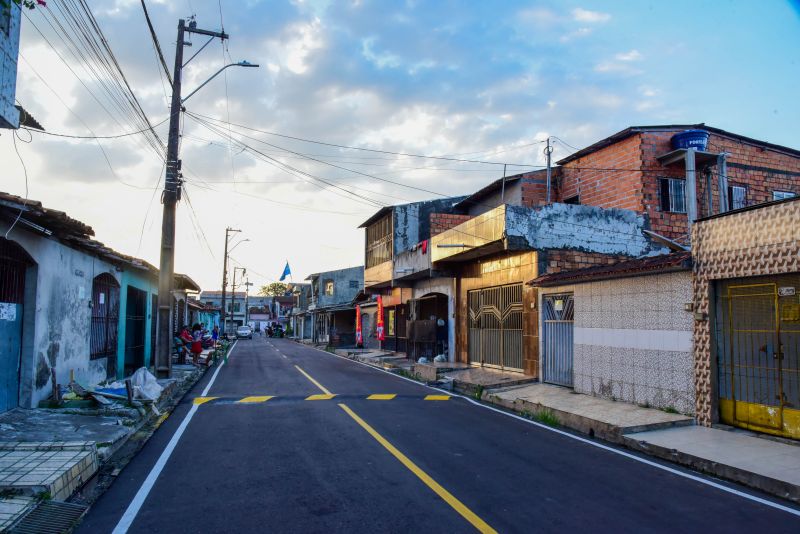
(69, 305)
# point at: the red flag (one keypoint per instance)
(359, 336)
(379, 322)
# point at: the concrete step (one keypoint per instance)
(603, 418)
(53, 468)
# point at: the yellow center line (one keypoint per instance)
(325, 396)
(437, 397)
(320, 386)
(446, 496)
(382, 396)
(203, 400)
(262, 398)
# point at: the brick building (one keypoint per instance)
(637, 169)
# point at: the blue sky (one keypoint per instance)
(487, 79)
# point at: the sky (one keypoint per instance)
(486, 81)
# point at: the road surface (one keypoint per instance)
(287, 438)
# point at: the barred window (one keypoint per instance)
(737, 197)
(672, 194)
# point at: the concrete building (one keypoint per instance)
(418, 300)
(9, 52)
(621, 331)
(67, 304)
(300, 318)
(332, 310)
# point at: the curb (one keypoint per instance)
(772, 486)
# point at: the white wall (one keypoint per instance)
(446, 286)
(633, 339)
(62, 319)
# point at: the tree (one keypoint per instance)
(275, 289)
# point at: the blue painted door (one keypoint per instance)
(10, 346)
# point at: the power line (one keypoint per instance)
(69, 136)
(25, 200)
(96, 140)
(156, 44)
(403, 154)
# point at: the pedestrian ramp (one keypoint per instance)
(285, 399)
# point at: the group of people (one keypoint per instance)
(193, 340)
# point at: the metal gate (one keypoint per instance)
(758, 350)
(14, 262)
(495, 327)
(105, 321)
(558, 315)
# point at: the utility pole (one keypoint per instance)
(171, 195)
(547, 151)
(247, 285)
(225, 275)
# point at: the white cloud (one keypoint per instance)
(593, 17)
(633, 55)
(577, 34)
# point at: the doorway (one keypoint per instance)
(14, 264)
(135, 324)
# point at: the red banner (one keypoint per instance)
(379, 321)
(359, 336)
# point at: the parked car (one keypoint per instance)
(244, 332)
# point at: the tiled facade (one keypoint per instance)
(633, 339)
(757, 242)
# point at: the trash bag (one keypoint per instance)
(145, 384)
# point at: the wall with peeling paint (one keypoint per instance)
(412, 221)
(57, 334)
(577, 227)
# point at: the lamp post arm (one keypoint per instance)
(241, 64)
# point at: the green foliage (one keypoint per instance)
(275, 289)
(546, 417)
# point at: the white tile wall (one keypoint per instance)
(633, 340)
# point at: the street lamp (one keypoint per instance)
(239, 64)
(237, 244)
(171, 194)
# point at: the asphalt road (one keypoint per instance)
(405, 464)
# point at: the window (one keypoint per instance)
(672, 194)
(737, 197)
(354, 284)
(573, 200)
(105, 316)
(781, 195)
(329, 287)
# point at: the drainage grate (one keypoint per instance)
(50, 517)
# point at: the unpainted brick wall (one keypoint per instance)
(625, 175)
(555, 261)
(445, 221)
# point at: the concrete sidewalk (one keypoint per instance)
(741, 456)
(747, 458)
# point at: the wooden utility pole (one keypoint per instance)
(170, 197)
(225, 276)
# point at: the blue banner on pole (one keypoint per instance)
(286, 272)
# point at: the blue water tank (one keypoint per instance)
(697, 139)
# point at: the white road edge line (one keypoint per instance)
(583, 440)
(138, 500)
